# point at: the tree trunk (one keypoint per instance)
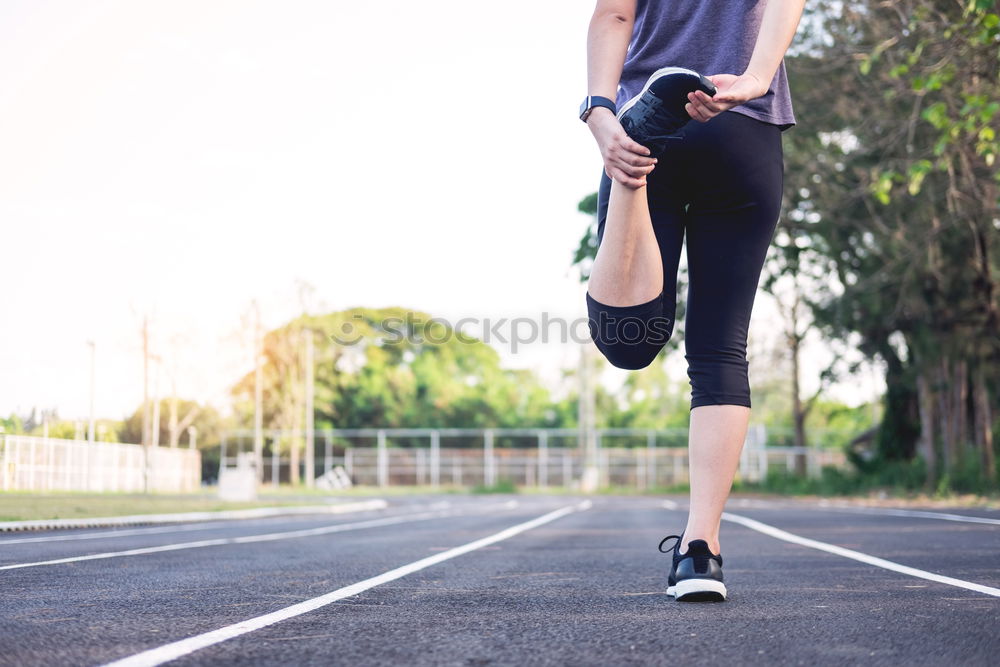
(293, 459)
(961, 410)
(983, 422)
(944, 415)
(926, 403)
(798, 414)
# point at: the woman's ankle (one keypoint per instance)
(689, 536)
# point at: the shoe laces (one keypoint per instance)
(672, 546)
(655, 118)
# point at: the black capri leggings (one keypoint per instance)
(721, 183)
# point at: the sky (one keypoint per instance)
(178, 160)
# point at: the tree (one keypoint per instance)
(896, 188)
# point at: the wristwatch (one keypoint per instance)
(591, 101)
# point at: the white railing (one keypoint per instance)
(29, 463)
(527, 457)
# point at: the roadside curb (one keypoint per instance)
(145, 519)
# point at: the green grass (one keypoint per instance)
(502, 486)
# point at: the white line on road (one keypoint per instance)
(857, 555)
(886, 511)
(918, 514)
(168, 652)
(129, 532)
(266, 537)
(225, 515)
(670, 504)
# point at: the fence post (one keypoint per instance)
(49, 465)
(651, 459)
(602, 462)
(34, 471)
(421, 463)
(543, 459)
(435, 459)
(813, 467)
(327, 452)
(640, 468)
(489, 472)
(382, 461)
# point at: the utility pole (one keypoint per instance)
(310, 395)
(258, 398)
(590, 477)
(90, 425)
(155, 439)
(145, 405)
(172, 427)
(145, 381)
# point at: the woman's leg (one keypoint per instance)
(627, 270)
(632, 295)
(730, 223)
(715, 438)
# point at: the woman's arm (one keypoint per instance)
(607, 44)
(777, 28)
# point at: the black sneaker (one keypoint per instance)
(695, 576)
(657, 112)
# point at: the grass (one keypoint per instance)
(24, 506)
(894, 485)
(28, 506)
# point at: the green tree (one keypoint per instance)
(892, 193)
(394, 368)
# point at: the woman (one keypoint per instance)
(719, 182)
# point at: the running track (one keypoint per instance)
(525, 580)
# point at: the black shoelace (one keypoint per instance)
(672, 547)
(657, 120)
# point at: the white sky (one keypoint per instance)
(179, 159)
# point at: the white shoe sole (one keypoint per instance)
(700, 589)
(653, 77)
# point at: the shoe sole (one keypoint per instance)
(653, 77)
(698, 590)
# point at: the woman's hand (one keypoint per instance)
(625, 160)
(731, 91)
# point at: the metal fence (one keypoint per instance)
(48, 464)
(638, 458)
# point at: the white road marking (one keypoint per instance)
(886, 511)
(128, 532)
(134, 519)
(172, 651)
(266, 537)
(857, 555)
(919, 514)
(670, 504)
(113, 533)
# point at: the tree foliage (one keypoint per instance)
(892, 194)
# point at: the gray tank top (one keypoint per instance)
(708, 36)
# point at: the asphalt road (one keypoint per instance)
(584, 586)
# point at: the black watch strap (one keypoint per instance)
(591, 101)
